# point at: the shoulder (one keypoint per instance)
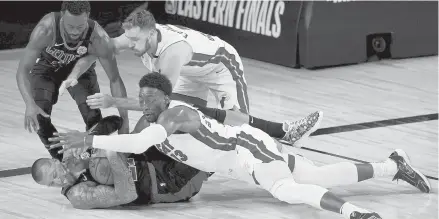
(43, 32)
(178, 114)
(178, 50)
(101, 43)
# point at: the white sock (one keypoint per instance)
(386, 168)
(348, 208)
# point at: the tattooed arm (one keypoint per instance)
(89, 195)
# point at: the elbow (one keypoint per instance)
(128, 198)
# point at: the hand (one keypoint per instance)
(69, 82)
(69, 140)
(30, 117)
(100, 100)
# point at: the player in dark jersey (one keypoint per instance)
(48, 64)
(155, 178)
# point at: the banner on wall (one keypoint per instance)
(264, 30)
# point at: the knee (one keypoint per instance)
(285, 190)
(268, 174)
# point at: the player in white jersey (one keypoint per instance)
(243, 152)
(197, 64)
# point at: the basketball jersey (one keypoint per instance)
(61, 58)
(208, 51)
(211, 148)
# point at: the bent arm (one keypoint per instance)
(89, 196)
(40, 38)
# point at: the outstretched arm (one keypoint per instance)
(168, 122)
(89, 196)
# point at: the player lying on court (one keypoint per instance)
(55, 45)
(106, 179)
(197, 64)
(242, 152)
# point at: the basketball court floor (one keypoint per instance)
(369, 110)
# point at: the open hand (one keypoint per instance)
(69, 140)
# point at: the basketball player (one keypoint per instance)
(56, 43)
(242, 152)
(197, 64)
(87, 183)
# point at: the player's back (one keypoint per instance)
(207, 50)
(211, 148)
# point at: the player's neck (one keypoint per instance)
(153, 46)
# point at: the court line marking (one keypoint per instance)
(322, 131)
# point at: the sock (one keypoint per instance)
(347, 209)
(273, 129)
(338, 174)
(386, 168)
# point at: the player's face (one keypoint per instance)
(57, 175)
(74, 25)
(139, 40)
(153, 101)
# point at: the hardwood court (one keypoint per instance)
(347, 95)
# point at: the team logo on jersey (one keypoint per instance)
(171, 7)
(82, 50)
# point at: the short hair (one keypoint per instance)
(139, 18)
(36, 171)
(76, 7)
(158, 81)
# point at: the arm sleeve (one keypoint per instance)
(217, 114)
(132, 143)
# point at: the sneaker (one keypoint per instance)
(358, 215)
(407, 173)
(297, 130)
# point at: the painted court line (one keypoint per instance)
(323, 131)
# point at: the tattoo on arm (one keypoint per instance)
(88, 196)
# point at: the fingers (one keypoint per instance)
(57, 145)
(62, 88)
(95, 101)
(34, 123)
(73, 83)
(27, 124)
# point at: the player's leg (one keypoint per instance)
(45, 94)
(288, 131)
(190, 91)
(397, 166)
(257, 153)
(87, 85)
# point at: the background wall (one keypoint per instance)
(294, 34)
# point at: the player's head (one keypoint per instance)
(74, 17)
(140, 28)
(155, 89)
(51, 172)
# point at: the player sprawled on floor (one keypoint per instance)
(242, 152)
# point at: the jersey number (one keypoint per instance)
(168, 149)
